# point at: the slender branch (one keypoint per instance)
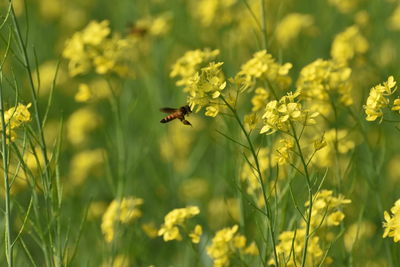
(254, 154)
(4, 150)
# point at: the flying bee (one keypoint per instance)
(177, 113)
(137, 30)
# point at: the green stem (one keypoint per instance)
(263, 24)
(254, 154)
(310, 198)
(4, 150)
(47, 183)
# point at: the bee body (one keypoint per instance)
(177, 113)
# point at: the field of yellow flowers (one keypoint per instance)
(278, 147)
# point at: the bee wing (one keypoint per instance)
(168, 110)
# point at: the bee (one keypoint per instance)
(136, 30)
(175, 113)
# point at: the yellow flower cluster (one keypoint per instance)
(94, 48)
(344, 6)
(326, 209)
(176, 218)
(205, 87)
(14, 118)
(321, 80)
(392, 224)
(83, 164)
(262, 67)
(291, 26)
(290, 248)
(121, 211)
(378, 99)
(347, 44)
(213, 13)
(80, 124)
(189, 64)
(326, 213)
(336, 141)
(280, 114)
(258, 101)
(226, 243)
(202, 80)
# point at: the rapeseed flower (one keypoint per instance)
(290, 27)
(93, 47)
(226, 243)
(280, 114)
(378, 99)
(121, 211)
(392, 222)
(347, 44)
(189, 64)
(322, 80)
(175, 219)
(14, 118)
(263, 67)
(80, 124)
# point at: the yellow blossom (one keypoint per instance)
(175, 218)
(290, 27)
(378, 99)
(344, 6)
(84, 163)
(262, 67)
(121, 211)
(14, 118)
(321, 80)
(348, 43)
(196, 233)
(150, 229)
(392, 222)
(93, 47)
(205, 87)
(280, 114)
(225, 244)
(394, 20)
(190, 63)
(84, 94)
(80, 124)
(213, 13)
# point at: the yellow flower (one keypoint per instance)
(14, 118)
(205, 87)
(377, 99)
(347, 44)
(177, 217)
(84, 94)
(321, 80)
(195, 235)
(190, 63)
(392, 222)
(121, 211)
(344, 6)
(150, 229)
(263, 67)
(80, 124)
(94, 48)
(325, 210)
(280, 114)
(394, 20)
(290, 27)
(213, 13)
(224, 244)
(83, 164)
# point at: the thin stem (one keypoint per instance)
(263, 24)
(310, 199)
(254, 154)
(4, 150)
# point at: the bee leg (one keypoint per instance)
(186, 122)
